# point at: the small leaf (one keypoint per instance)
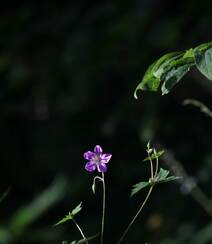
(163, 173)
(170, 178)
(148, 145)
(154, 156)
(162, 176)
(71, 215)
(203, 59)
(137, 187)
(76, 210)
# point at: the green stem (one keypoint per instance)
(151, 166)
(156, 169)
(103, 208)
(80, 230)
(135, 217)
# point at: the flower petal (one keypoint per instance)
(106, 157)
(102, 167)
(90, 166)
(88, 155)
(97, 149)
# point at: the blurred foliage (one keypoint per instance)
(68, 70)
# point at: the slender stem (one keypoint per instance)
(156, 168)
(135, 217)
(151, 166)
(103, 208)
(80, 230)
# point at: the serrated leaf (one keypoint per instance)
(162, 176)
(168, 179)
(154, 156)
(71, 215)
(137, 187)
(163, 173)
(203, 59)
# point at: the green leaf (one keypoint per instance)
(203, 59)
(173, 77)
(162, 176)
(71, 215)
(76, 210)
(163, 173)
(151, 79)
(137, 187)
(169, 69)
(154, 156)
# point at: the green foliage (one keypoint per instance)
(168, 70)
(162, 177)
(70, 215)
(154, 156)
(203, 59)
(139, 186)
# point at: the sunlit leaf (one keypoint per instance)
(203, 59)
(71, 215)
(168, 70)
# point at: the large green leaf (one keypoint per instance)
(203, 59)
(169, 69)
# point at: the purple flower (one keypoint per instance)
(97, 159)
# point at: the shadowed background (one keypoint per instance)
(68, 71)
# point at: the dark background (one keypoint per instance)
(68, 70)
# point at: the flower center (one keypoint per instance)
(96, 159)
